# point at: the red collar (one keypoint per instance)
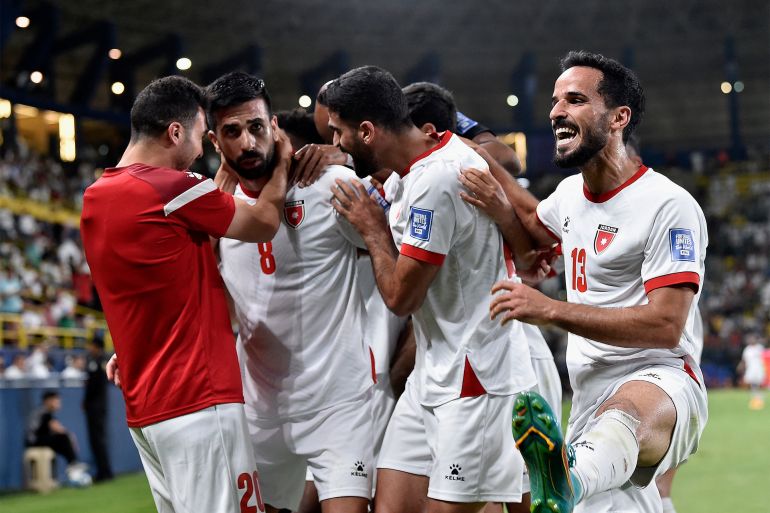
(601, 198)
(250, 194)
(442, 138)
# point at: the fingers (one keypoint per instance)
(506, 285)
(473, 200)
(314, 168)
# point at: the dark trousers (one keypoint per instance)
(61, 444)
(97, 436)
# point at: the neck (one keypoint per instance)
(406, 146)
(608, 169)
(149, 152)
(251, 185)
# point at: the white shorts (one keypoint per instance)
(687, 393)
(334, 444)
(383, 403)
(549, 386)
(200, 462)
(464, 446)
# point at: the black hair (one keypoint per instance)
(618, 86)
(232, 89)
(299, 123)
(163, 102)
(371, 94)
(431, 103)
(50, 394)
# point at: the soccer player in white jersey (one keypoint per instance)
(306, 373)
(634, 244)
(432, 109)
(447, 438)
(753, 367)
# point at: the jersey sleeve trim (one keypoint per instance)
(548, 230)
(189, 196)
(672, 279)
(422, 255)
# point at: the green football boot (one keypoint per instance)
(538, 437)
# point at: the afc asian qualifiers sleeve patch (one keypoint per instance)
(682, 245)
(420, 221)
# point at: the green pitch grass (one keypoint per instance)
(730, 472)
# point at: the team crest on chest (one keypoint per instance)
(294, 213)
(604, 237)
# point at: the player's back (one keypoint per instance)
(299, 307)
(145, 235)
(459, 346)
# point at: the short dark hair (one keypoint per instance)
(163, 102)
(431, 103)
(299, 123)
(371, 94)
(618, 86)
(50, 394)
(232, 89)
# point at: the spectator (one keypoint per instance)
(45, 430)
(95, 407)
(18, 369)
(75, 369)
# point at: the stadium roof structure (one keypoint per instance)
(484, 51)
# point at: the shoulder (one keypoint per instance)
(171, 183)
(662, 190)
(332, 173)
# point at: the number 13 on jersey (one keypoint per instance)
(579, 281)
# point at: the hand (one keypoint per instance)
(311, 160)
(225, 180)
(541, 268)
(486, 194)
(113, 373)
(520, 302)
(283, 150)
(361, 210)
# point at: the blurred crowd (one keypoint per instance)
(44, 275)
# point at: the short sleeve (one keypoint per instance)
(548, 215)
(203, 208)
(675, 252)
(432, 215)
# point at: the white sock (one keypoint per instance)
(607, 452)
(668, 506)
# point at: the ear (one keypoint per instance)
(428, 128)
(175, 132)
(213, 138)
(367, 131)
(274, 122)
(620, 118)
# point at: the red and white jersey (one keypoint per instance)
(146, 234)
(299, 308)
(460, 351)
(619, 246)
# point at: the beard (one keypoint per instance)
(263, 168)
(363, 159)
(594, 139)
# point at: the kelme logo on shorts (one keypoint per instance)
(454, 473)
(359, 469)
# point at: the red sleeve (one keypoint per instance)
(210, 213)
(668, 280)
(422, 255)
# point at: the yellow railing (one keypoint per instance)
(13, 331)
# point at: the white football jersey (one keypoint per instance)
(619, 246)
(299, 308)
(460, 351)
(753, 360)
(381, 326)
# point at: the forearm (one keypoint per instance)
(384, 256)
(641, 326)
